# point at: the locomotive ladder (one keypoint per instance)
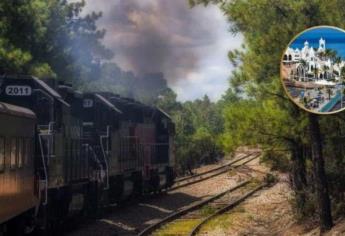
(106, 153)
(45, 157)
(88, 149)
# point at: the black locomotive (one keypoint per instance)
(86, 150)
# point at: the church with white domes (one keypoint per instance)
(309, 62)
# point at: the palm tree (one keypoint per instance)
(303, 62)
(325, 69)
(337, 60)
(330, 53)
(322, 55)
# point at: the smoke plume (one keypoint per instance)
(149, 36)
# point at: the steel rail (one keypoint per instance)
(214, 169)
(226, 208)
(175, 215)
(229, 167)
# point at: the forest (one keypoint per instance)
(50, 39)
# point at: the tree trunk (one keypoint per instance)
(324, 203)
(299, 177)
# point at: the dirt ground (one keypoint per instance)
(268, 212)
(309, 229)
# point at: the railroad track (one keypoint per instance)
(225, 208)
(244, 155)
(186, 181)
(218, 204)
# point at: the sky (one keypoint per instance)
(189, 45)
(335, 39)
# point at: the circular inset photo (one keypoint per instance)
(313, 70)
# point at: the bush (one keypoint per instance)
(270, 179)
(195, 150)
(276, 160)
(307, 209)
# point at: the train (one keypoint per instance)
(63, 152)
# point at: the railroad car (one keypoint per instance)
(152, 131)
(101, 124)
(62, 169)
(19, 197)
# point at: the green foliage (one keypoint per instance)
(198, 125)
(262, 113)
(270, 179)
(249, 122)
(49, 40)
(307, 210)
(42, 70)
(29, 19)
(277, 160)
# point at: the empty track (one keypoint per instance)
(186, 181)
(218, 203)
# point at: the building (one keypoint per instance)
(309, 63)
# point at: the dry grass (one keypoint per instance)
(178, 228)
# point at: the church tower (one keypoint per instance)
(306, 44)
(322, 45)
